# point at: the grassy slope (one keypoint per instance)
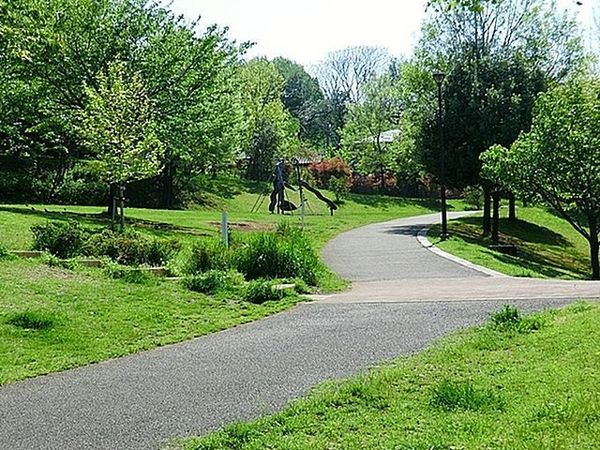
(99, 318)
(96, 318)
(480, 389)
(548, 246)
(236, 198)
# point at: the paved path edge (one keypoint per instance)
(425, 242)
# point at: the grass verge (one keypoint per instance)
(548, 247)
(516, 383)
(53, 319)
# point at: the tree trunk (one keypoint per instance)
(512, 207)
(111, 210)
(594, 248)
(168, 180)
(496, 219)
(487, 211)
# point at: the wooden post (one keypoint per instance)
(225, 228)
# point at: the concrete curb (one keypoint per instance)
(425, 242)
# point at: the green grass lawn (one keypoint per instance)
(237, 200)
(83, 317)
(485, 388)
(94, 317)
(548, 246)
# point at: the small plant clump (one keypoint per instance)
(510, 318)
(61, 239)
(261, 291)
(32, 320)
(207, 254)
(214, 281)
(454, 395)
(130, 248)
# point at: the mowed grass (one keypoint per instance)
(548, 246)
(527, 385)
(237, 198)
(53, 319)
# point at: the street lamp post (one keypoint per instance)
(439, 79)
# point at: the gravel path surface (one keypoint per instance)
(142, 401)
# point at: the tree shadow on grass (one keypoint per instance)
(523, 231)
(385, 201)
(527, 238)
(160, 229)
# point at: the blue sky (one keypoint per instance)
(307, 30)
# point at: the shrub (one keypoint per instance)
(131, 248)
(473, 197)
(32, 320)
(261, 291)
(340, 186)
(284, 254)
(214, 281)
(3, 251)
(61, 239)
(205, 255)
(324, 171)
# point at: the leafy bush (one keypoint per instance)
(340, 186)
(214, 281)
(32, 320)
(473, 197)
(3, 251)
(335, 167)
(261, 291)
(205, 255)
(284, 254)
(131, 248)
(62, 239)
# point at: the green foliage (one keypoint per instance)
(473, 197)
(33, 320)
(207, 255)
(464, 395)
(214, 281)
(558, 159)
(3, 251)
(118, 126)
(61, 239)
(285, 254)
(134, 275)
(271, 131)
(509, 318)
(340, 187)
(366, 121)
(131, 248)
(260, 291)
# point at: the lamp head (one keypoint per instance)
(439, 77)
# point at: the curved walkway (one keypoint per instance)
(142, 401)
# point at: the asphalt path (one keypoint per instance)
(390, 251)
(143, 401)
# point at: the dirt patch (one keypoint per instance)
(246, 226)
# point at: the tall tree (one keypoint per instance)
(303, 98)
(559, 159)
(271, 131)
(118, 125)
(366, 146)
